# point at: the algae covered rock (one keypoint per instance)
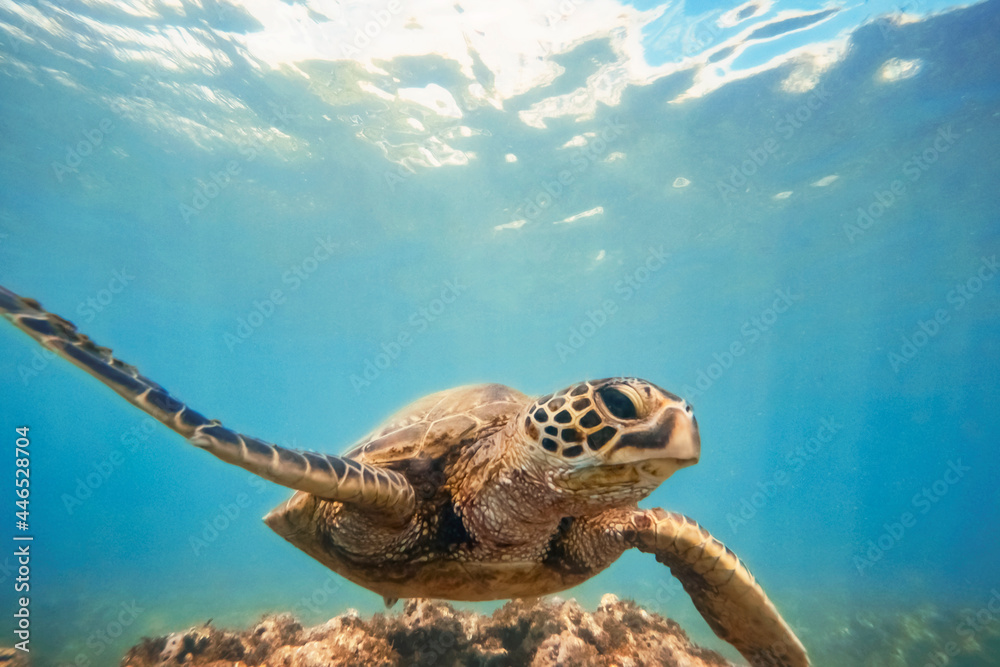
(432, 633)
(11, 657)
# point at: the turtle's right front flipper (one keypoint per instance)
(324, 476)
(721, 587)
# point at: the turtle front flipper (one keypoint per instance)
(328, 477)
(720, 586)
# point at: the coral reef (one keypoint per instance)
(536, 633)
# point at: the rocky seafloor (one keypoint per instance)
(521, 633)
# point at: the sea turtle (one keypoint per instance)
(480, 492)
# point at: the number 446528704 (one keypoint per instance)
(21, 475)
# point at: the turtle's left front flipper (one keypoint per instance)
(328, 477)
(720, 586)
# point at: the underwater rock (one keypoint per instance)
(538, 633)
(900, 635)
(10, 657)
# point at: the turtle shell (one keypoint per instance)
(434, 424)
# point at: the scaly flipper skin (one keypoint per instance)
(720, 586)
(324, 476)
(481, 492)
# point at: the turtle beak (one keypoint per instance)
(684, 443)
(668, 439)
(681, 444)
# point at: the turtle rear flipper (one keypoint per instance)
(328, 477)
(721, 587)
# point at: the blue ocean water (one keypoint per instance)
(300, 216)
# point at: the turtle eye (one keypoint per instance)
(618, 404)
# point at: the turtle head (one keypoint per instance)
(612, 436)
